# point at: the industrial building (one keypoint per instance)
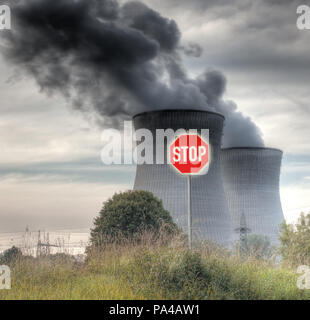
(210, 217)
(251, 183)
(240, 181)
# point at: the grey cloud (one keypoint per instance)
(88, 170)
(192, 50)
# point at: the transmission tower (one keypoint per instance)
(44, 247)
(243, 231)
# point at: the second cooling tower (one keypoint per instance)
(251, 182)
(210, 216)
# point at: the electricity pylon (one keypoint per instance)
(243, 231)
(46, 245)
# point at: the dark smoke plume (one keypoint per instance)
(116, 60)
(192, 50)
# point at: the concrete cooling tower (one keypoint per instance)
(251, 182)
(210, 216)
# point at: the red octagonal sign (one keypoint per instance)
(189, 154)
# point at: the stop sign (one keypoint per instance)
(189, 154)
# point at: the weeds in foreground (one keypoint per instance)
(152, 269)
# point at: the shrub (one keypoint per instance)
(174, 274)
(295, 241)
(126, 214)
(11, 255)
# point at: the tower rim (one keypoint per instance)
(177, 110)
(252, 148)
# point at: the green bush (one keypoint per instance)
(179, 275)
(295, 241)
(11, 255)
(126, 214)
(182, 274)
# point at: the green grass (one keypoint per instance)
(153, 272)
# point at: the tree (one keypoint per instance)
(11, 255)
(295, 241)
(126, 214)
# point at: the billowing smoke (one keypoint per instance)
(116, 60)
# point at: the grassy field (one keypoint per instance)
(134, 271)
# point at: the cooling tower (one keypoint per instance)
(210, 216)
(251, 182)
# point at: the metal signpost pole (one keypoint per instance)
(189, 201)
(183, 155)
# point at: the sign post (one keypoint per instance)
(189, 155)
(189, 211)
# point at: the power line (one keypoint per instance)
(300, 208)
(50, 230)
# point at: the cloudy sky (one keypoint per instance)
(51, 175)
